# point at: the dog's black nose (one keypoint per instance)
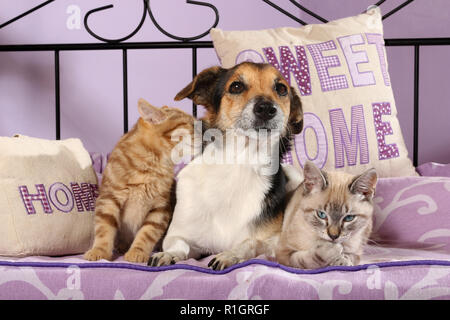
(264, 110)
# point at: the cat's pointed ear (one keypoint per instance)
(314, 178)
(365, 184)
(150, 113)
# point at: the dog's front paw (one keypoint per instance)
(163, 259)
(223, 260)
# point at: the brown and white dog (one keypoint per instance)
(234, 210)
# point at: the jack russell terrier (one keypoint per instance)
(234, 210)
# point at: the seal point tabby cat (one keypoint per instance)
(328, 219)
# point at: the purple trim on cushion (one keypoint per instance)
(237, 266)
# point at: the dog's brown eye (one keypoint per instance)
(281, 89)
(236, 87)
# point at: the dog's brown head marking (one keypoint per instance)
(246, 96)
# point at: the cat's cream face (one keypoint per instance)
(337, 205)
(337, 219)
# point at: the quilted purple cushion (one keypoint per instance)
(433, 169)
(413, 212)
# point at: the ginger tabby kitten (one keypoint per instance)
(135, 202)
(328, 219)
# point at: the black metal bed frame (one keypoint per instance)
(189, 43)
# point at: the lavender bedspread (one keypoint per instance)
(410, 259)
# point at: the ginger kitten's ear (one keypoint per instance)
(150, 113)
(364, 184)
(201, 89)
(315, 179)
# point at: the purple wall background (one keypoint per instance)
(91, 81)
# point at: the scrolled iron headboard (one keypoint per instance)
(178, 42)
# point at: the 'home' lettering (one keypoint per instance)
(60, 197)
(349, 137)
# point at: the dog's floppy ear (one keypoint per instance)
(296, 114)
(201, 89)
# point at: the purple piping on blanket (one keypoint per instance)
(236, 266)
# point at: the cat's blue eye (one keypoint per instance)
(321, 214)
(349, 218)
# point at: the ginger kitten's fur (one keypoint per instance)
(328, 219)
(135, 194)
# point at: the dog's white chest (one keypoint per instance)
(217, 203)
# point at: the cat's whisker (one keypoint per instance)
(372, 242)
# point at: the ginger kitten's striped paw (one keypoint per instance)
(96, 254)
(136, 255)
